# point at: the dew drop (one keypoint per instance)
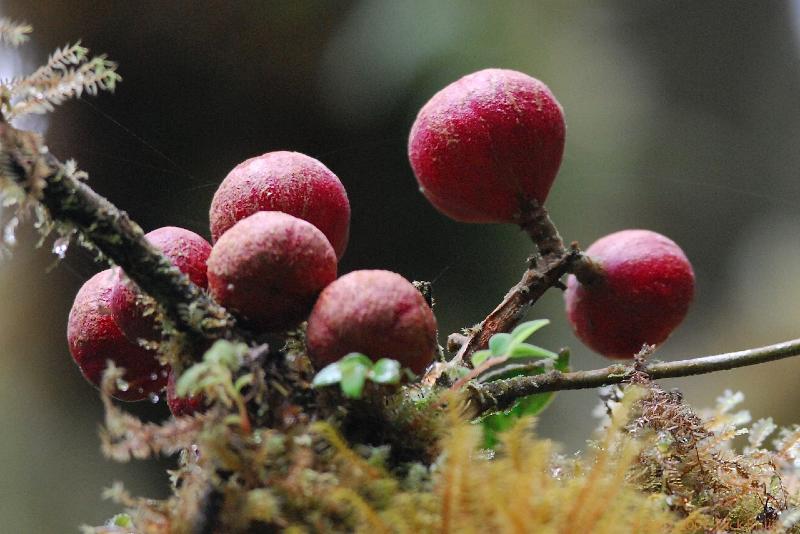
(154, 398)
(10, 232)
(164, 373)
(230, 287)
(60, 247)
(122, 385)
(153, 376)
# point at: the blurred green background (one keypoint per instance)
(683, 117)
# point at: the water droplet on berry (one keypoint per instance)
(60, 247)
(122, 385)
(10, 232)
(153, 397)
(153, 376)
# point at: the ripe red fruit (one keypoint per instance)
(488, 144)
(642, 295)
(283, 181)
(268, 269)
(187, 251)
(182, 405)
(377, 313)
(94, 338)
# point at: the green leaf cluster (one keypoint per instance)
(513, 346)
(353, 371)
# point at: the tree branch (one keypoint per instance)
(25, 159)
(501, 394)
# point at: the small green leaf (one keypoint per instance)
(356, 356)
(527, 329)
(534, 404)
(499, 343)
(329, 375)
(562, 362)
(385, 371)
(496, 423)
(480, 357)
(188, 382)
(526, 350)
(354, 375)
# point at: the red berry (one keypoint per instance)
(187, 251)
(94, 338)
(642, 295)
(284, 181)
(182, 405)
(268, 269)
(377, 313)
(487, 144)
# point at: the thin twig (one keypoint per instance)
(546, 268)
(502, 394)
(27, 161)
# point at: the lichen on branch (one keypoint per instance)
(26, 162)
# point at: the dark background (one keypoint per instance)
(683, 117)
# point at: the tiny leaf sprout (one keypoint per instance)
(352, 372)
(512, 345)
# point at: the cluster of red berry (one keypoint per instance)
(482, 149)
(279, 223)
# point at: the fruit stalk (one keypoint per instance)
(26, 160)
(501, 394)
(545, 270)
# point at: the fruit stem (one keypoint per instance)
(545, 270)
(501, 394)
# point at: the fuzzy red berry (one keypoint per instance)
(284, 181)
(641, 295)
(94, 338)
(377, 313)
(180, 406)
(488, 144)
(269, 268)
(187, 251)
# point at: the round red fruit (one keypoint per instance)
(180, 406)
(641, 295)
(377, 313)
(94, 338)
(486, 145)
(269, 268)
(187, 251)
(283, 181)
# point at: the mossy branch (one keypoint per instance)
(545, 270)
(26, 160)
(501, 394)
